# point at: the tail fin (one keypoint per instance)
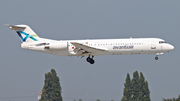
(26, 34)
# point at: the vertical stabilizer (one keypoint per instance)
(25, 33)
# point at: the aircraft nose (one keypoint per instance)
(171, 47)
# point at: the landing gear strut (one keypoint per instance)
(90, 60)
(156, 58)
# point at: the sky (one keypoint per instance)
(22, 72)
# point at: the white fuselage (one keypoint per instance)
(90, 48)
(112, 46)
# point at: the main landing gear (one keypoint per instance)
(90, 60)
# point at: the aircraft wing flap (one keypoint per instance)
(17, 28)
(88, 48)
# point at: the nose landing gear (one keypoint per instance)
(156, 58)
(157, 54)
(90, 60)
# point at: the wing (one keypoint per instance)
(84, 49)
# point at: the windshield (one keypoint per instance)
(162, 42)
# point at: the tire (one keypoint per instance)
(156, 58)
(88, 59)
(92, 61)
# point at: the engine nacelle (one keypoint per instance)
(56, 46)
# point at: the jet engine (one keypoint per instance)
(56, 46)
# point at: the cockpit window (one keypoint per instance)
(162, 42)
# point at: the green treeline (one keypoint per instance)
(135, 89)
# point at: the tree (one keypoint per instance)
(136, 89)
(127, 89)
(142, 83)
(172, 99)
(178, 99)
(146, 92)
(144, 89)
(52, 89)
(80, 99)
(98, 100)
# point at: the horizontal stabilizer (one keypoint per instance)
(16, 28)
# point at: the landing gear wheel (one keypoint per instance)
(88, 59)
(156, 58)
(91, 61)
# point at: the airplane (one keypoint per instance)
(90, 48)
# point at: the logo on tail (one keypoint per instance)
(26, 36)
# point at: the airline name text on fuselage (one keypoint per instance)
(123, 47)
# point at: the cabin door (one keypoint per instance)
(153, 45)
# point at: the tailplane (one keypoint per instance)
(25, 33)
